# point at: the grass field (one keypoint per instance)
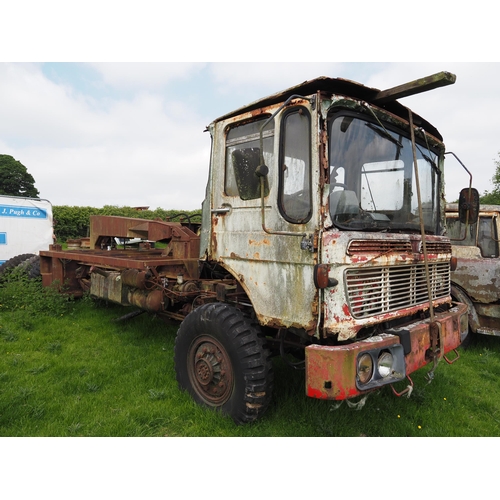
(71, 369)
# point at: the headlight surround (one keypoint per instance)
(385, 364)
(365, 368)
(378, 367)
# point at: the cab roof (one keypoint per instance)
(339, 86)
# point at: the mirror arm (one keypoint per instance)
(471, 197)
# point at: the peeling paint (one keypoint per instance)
(477, 274)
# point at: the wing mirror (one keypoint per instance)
(468, 205)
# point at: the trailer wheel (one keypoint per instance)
(12, 263)
(222, 362)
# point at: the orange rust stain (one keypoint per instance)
(256, 255)
(360, 258)
(265, 241)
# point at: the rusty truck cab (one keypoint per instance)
(476, 279)
(317, 202)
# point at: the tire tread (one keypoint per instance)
(249, 349)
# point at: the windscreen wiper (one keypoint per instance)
(383, 132)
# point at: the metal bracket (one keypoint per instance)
(456, 358)
(307, 243)
(408, 390)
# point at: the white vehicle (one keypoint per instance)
(26, 226)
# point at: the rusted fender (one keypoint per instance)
(331, 370)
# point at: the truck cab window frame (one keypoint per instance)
(372, 178)
(487, 238)
(295, 194)
(243, 157)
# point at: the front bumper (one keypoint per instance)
(331, 371)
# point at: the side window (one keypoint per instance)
(487, 236)
(295, 167)
(456, 232)
(243, 156)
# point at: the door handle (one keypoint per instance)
(220, 211)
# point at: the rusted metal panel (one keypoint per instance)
(120, 259)
(479, 277)
(184, 242)
(476, 277)
(60, 272)
(331, 370)
(337, 86)
(273, 269)
(382, 265)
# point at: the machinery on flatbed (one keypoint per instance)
(322, 238)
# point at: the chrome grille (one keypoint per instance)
(379, 290)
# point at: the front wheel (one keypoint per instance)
(222, 362)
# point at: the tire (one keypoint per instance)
(31, 267)
(12, 263)
(459, 295)
(221, 360)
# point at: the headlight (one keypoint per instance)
(365, 368)
(378, 367)
(385, 363)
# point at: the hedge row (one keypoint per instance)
(74, 222)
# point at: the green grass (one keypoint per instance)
(70, 369)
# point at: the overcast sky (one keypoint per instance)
(133, 133)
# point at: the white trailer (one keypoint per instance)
(26, 226)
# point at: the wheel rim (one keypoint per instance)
(210, 370)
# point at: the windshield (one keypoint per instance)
(372, 178)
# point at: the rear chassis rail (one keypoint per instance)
(147, 279)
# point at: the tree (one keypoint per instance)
(493, 197)
(15, 179)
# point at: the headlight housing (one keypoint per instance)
(378, 367)
(385, 364)
(365, 368)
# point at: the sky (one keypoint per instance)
(133, 134)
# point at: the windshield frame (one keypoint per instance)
(387, 149)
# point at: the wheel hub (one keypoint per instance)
(204, 372)
(210, 370)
